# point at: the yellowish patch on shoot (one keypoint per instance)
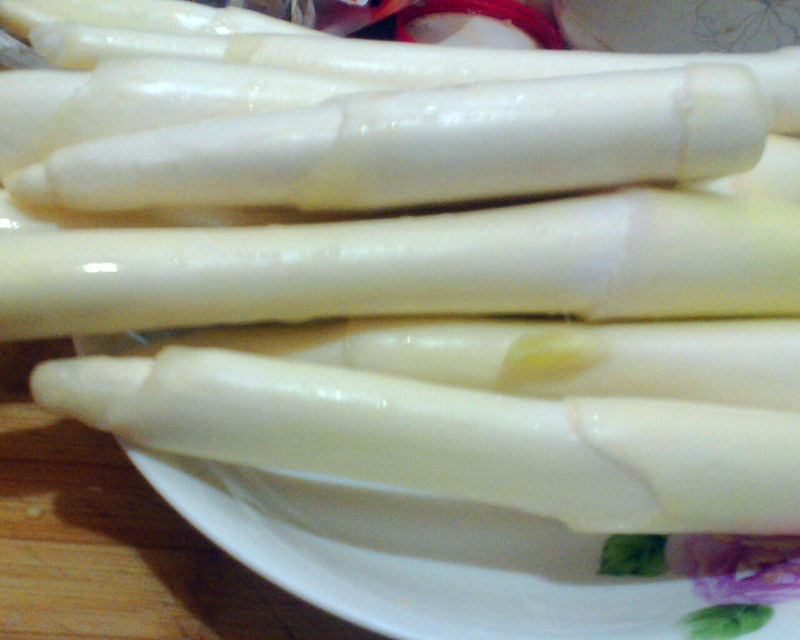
(551, 354)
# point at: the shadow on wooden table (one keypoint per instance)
(17, 359)
(73, 488)
(95, 552)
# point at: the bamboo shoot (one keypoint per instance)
(743, 362)
(412, 65)
(366, 152)
(600, 465)
(632, 254)
(775, 175)
(43, 111)
(170, 16)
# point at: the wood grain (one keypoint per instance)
(89, 550)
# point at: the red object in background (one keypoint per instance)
(527, 19)
(343, 17)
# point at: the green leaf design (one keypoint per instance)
(634, 555)
(723, 622)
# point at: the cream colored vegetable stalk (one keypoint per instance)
(778, 72)
(177, 16)
(417, 65)
(14, 216)
(28, 101)
(599, 465)
(777, 174)
(426, 147)
(637, 254)
(44, 110)
(81, 47)
(747, 362)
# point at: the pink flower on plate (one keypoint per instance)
(738, 569)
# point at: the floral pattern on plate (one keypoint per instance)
(736, 27)
(742, 578)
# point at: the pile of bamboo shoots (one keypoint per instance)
(558, 281)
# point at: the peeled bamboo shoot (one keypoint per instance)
(778, 72)
(775, 175)
(418, 65)
(486, 141)
(743, 362)
(632, 254)
(599, 465)
(43, 111)
(171, 16)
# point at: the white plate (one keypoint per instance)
(679, 26)
(417, 567)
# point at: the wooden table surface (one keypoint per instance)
(89, 550)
